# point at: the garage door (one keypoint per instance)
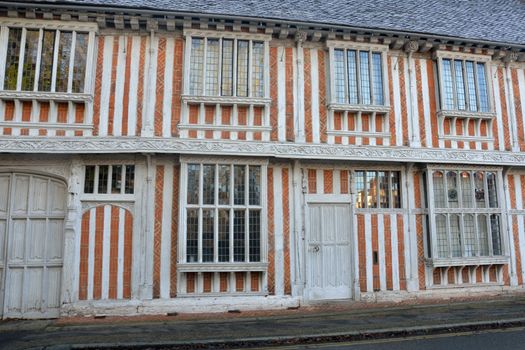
(32, 212)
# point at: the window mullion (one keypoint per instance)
(21, 59)
(199, 239)
(378, 190)
(389, 190)
(123, 180)
(216, 223)
(246, 214)
(38, 59)
(110, 177)
(95, 183)
(4, 42)
(71, 62)
(55, 62)
(476, 86)
(453, 77)
(232, 212)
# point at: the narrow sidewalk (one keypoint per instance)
(331, 322)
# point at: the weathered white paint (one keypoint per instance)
(278, 226)
(381, 252)
(133, 85)
(369, 256)
(91, 256)
(106, 85)
(395, 255)
(426, 101)
(397, 100)
(281, 94)
(165, 256)
(119, 85)
(106, 237)
(314, 63)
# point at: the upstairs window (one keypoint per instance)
(464, 85)
(45, 60)
(358, 74)
(227, 66)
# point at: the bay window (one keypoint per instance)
(42, 58)
(466, 213)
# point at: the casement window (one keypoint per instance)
(40, 57)
(223, 213)
(109, 179)
(466, 213)
(464, 85)
(378, 189)
(229, 66)
(358, 77)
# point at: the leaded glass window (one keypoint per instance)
(51, 60)
(464, 85)
(378, 189)
(358, 77)
(109, 179)
(227, 67)
(223, 213)
(467, 215)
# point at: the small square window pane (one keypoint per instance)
(339, 76)
(482, 88)
(452, 190)
(227, 67)
(448, 90)
(483, 235)
(371, 182)
(396, 189)
(460, 85)
(466, 189)
(384, 193)
(495, 228)
(378, 78)
(439, 189)
(258, 69)
(196, 66)
(471, 82)
(212, 67)
(365, 77)
(479, 181)
(352, 77)
(493, 194)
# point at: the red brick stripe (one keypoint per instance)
(286, 232)
(99, 237)
(161, 64)
(84, 256)
(157, 233)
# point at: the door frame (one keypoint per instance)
(354, 256)
(12, 172)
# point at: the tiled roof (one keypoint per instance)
(485, 20)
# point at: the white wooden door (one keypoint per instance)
(328, 256)
(32, 212)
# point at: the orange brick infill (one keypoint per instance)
(391, 115)
(159, 95)
(290, 133)
(322, 96)
(273, 93)
(504, 114)
(157, 231)
(328, 184)
(432, 103)
(308, 96)
(177, 86)
(113, 252)
(128, 230)
(362, 251)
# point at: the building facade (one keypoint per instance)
(156, 161)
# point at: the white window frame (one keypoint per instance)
(437, 261)
(112, 197)
(461, 56)
(189, 34)
(42, 25)
(182, 265)
(345, 45)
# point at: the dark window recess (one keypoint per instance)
(376, 258)
(121, 179)
(89, 180)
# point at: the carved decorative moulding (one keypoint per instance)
(86, 145)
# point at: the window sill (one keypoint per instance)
(227, 100)
(470, 261)
(358, 133)
(358, 108)
(466, 138)
(45, 96)
(221, 267)
(224, 127)
(466, 114)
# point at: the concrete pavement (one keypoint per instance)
(326, 323)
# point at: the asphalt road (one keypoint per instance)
(508, 339)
